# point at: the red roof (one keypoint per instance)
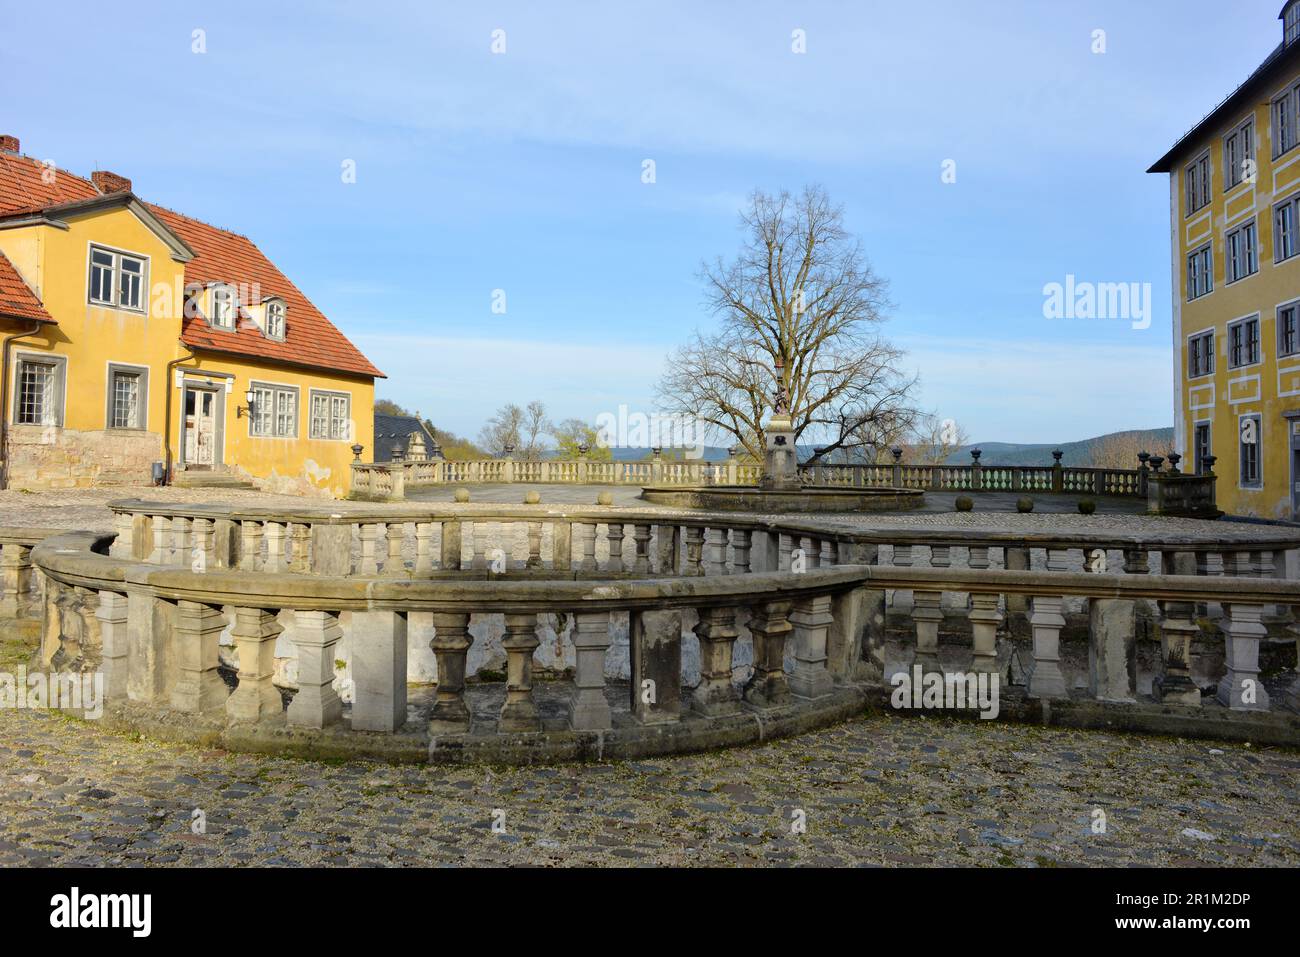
(17, 300)
(220, 256)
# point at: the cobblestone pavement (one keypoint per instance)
(876, 791)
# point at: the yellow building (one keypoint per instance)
(134, 335)
(1235, 214)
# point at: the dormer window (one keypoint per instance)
(275, 313)
(1291, 21)
(223, 307)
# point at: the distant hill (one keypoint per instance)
(1083, 452)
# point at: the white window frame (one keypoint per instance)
(1197, 177)
(1291, 207)
(53, 417)
(1235, 249)
(141, 373)
(1238, 150)
(272, 305)
(1246, 322)
(224, 289)
(1294, 307)
(1282, 119)
(264, 419)
(1200, 274)
(115, 272)
(330, 397)
(1258, 482)
(1206, 356)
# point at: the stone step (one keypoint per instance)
(210, 480)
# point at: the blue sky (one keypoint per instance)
(522, 172)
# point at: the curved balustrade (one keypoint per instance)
(809, 615)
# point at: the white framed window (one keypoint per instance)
(224, 304)
(1241, 252)
(1284, 122)
(1239, 155)
(1250, 438)
(1196, 179)
(1284, 230)
(275, 411)
(275, 319)
(1200, 272)
(331, 415)
(1200, 354)
(1288, 329)
(1243, 342)
(117, 279)
(38, 390)
(128, 397)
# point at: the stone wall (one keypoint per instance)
(50, 458)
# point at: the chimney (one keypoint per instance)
(107, 182)
(8, 143)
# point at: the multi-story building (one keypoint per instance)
(134, 335)
(1235, 213)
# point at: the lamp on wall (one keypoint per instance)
(240, 410)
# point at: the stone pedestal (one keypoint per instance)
(1046, 680)
(770, 627)
(984, 620)
(1175, 686)
(255, 631)
(197, 637)
(812, 620)
(316, 705)
(780, 461)
(519, 713)
(588, 709)
(1112, 649)
(1240, 689)
(717, 632)
(656, 651)
(450, 645)
(378, 647)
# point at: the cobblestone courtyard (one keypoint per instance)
(876, 791)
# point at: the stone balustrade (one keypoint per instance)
(787, 624)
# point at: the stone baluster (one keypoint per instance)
(1058, 559)
(589, 548)
(715, 551)
(740, 546)
(423, 548)
(1178, 628)
(181, 540)
(1047, 620)
(588, 708)
(784, 552)
(451, 643)
(1136, 561)
(519, 713)
(978, 557)
(561, 545)
(927, 614)
(769, 624)
(641, 538)
(1240, 688)
(451, 545)
(299, 548)
(694, 550)
(198, 686)
(203, 553)
(394, 565)
(812, 620)
(161, 540)
(614, 534)
(317, 704)
(255, 631)
(250, 546)
(904, 600)
(940, 556)
(114, 640)
(534, 559)
(717, 632)
(377, 641)
(123, 543)
(275, 559)
(369, 563)
(16, 578)
(984, 620)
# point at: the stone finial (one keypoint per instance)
(509, 450)
(584, 448)
(1174, 459)
(357, 450)
(731, 452)
(1208, 461)
(1143, 458)
(975, 455)
(435, 450)
(1156, 461)
(657, 451)
(397, 452)
(897, 453)
(1056, 454)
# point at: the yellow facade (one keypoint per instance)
(1249, 395)
(81, 449)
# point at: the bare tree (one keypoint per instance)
(933, 439)
(800, 309)
(519, 429)
(572, 433)
(1120, 450)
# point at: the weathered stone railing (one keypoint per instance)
(811, 615)
(20, 595)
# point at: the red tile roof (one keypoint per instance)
(17, 301)
(221, 256)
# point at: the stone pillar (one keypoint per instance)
(225, 543)
(204, 554)
(669, 547)
(250, 546)
(1112, 649)
(1016, 559)
(588, 563)
(256, 697)
(615, 536)
(716, 551)
(519, 713)
(769, 624)
(197, 636)
(370, 534)
(641, 538)
(141, 537)
(1240, 688)
(450, 645)
(394, 566)
(562, 546)
(122, 546)
(423, 548)
(740, 546)
(927, 614)
(275, 558)
(694, 551)
(1178, 628)
(812, 620)
(316, 705)
(161, 540)
(715, 694)
(984, 621)
(299, 548)
(978, 558)
(16, 580)
(1046, 679)
(378, 647)
(331, 550)
(656, 652)
(534, 559)
(149, 627)
(588, 709)
(904, 600)
(114, 639)
(451, 546)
